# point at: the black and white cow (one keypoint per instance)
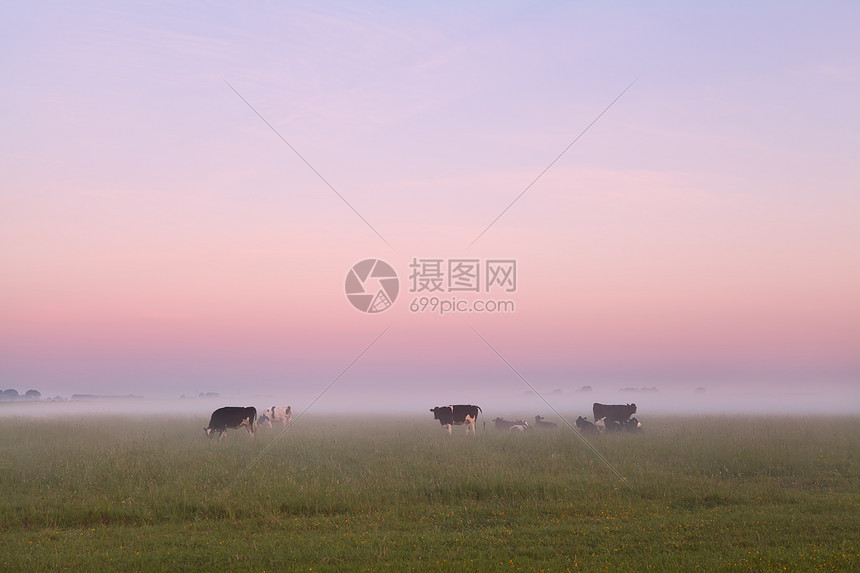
(502, 424)
(632, 425)
(585, 426)
(231, 417)
(613, 412)
(457, 415)
(541, 425)
(282, 414)
(610, 426)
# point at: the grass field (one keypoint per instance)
(340, 493)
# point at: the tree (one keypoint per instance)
(32, 395)
(10, 394)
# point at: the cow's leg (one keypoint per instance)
(449, 426)
(221, 435)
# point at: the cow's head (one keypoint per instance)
(445, 414)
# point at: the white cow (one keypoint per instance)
(282, 414)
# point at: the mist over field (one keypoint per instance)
(789, 400)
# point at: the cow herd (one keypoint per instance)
(234, 417)
(608, 418)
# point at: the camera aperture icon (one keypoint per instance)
(372, 285)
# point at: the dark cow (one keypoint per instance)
(457, 415)
(541, 425)
(585, 426)
(502, 424)
(632, 425)
(613, 412)
(609, 426)
(231, 417)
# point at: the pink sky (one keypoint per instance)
(157, 237)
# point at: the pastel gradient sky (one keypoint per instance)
(157, 237)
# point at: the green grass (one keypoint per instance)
(334, 494)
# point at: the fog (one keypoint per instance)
(509, 402)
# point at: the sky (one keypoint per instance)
(187, 185)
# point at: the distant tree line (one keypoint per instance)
(10, 395)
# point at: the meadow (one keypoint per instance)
(338, 493)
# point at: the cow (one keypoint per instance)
(613, 412)
(585, 426)
(604, 425)
(541, 425)
(282, 414)
(612, 426)
(457, 415)
(502, 424)
(231, 417)
(519, 427)
(632, 425)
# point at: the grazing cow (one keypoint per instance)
(457, 415)
(519, 427)
(231, 417)
(613, 412)
(585, 426)
(502, 424)
(282, 414)
(541, 425)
